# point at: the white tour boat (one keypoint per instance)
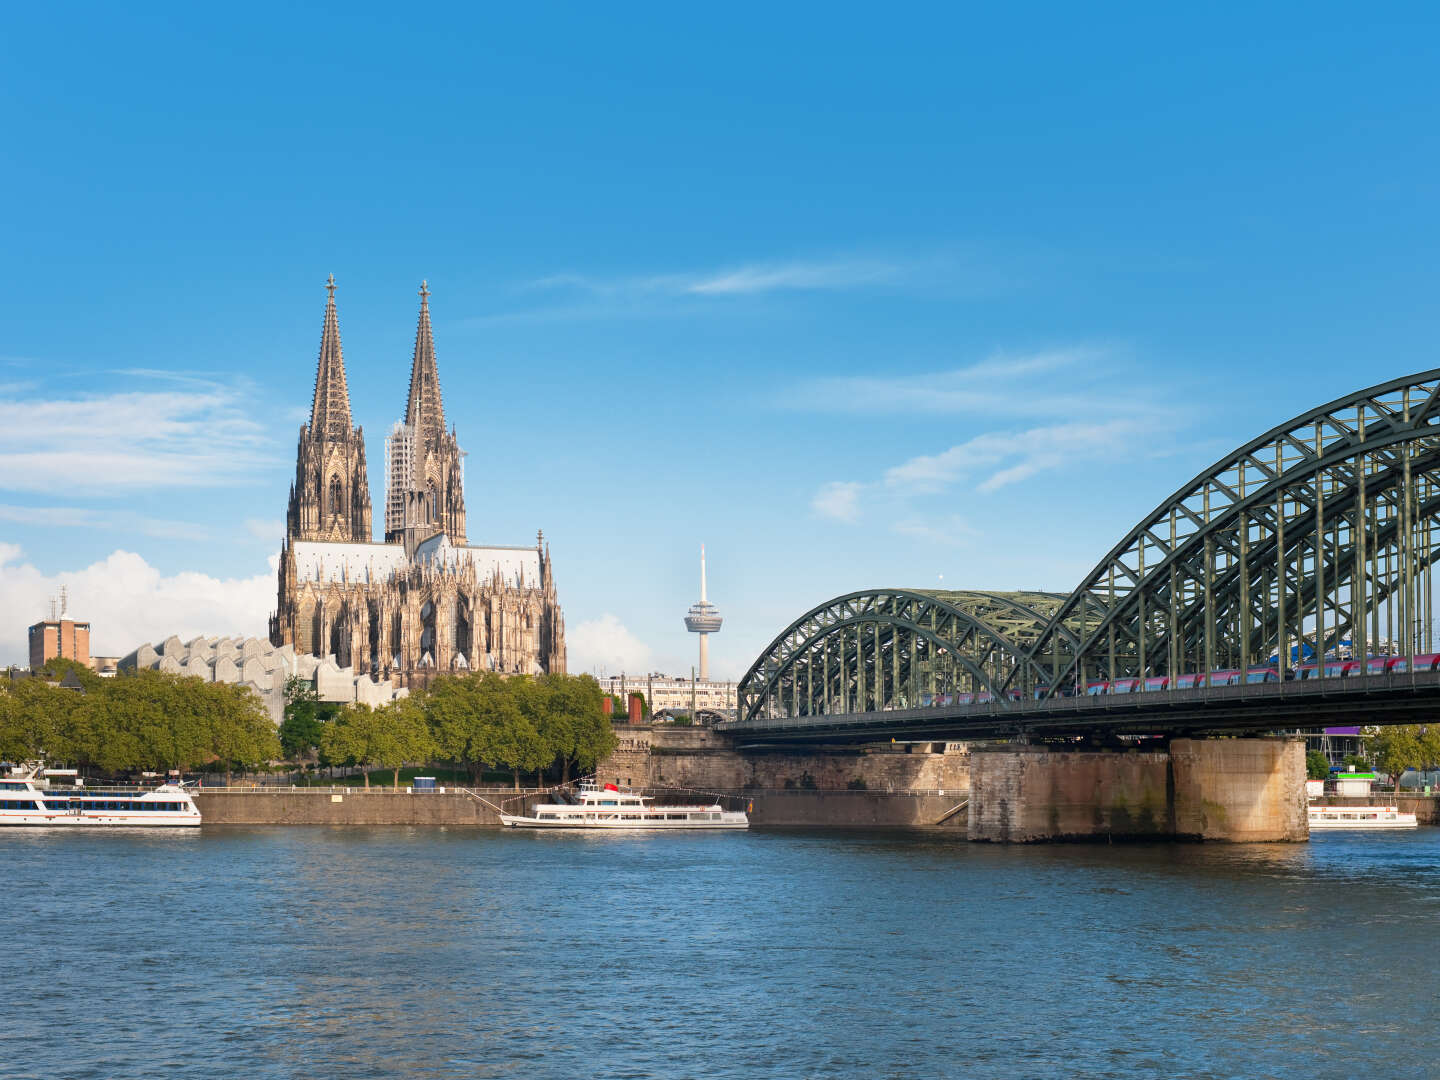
(610, 808)
(27, 798)
(1325, 818)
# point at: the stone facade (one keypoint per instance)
(425, 601)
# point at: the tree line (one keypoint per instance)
(522, 724)
(152, 720)
(140, 720)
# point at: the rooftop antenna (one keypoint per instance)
(54, 606)
(64, 600)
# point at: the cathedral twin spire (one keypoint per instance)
(330, 499)
(330, 412)
(424, 411)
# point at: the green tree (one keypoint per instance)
(406, 736)
(57, 667)
(452, 710)
(301, 727)
(592, 736)
(508, 736)
(153, 720)
(387, 737)
(1404, 746)
(241, 734)
(1317, 765)
(345, 739)
(29, 724)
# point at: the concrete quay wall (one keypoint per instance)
(1241, 790)
(818, 809)
(662, 755)
(856, 809)
(302, 806)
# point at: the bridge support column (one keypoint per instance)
(1240, 789)
(1198, 789)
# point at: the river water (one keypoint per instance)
(465, 953)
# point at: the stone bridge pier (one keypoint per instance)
(1240, 789)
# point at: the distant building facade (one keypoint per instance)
(67, 638)
(425, 601)
(663, 692)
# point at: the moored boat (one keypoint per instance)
(27, 798)
(610, 808)
(1326, 818)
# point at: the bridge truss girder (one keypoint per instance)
(1309, 533)
(885, 649)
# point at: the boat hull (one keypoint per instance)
(1347, 818)
(102, 821)
(514, 822)
(1346, 826)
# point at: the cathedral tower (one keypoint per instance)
(330, 499)
(425, 492)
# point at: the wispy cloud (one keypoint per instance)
(1080, 380)
(838, 500)
(270, 530)
(948, 530)
(113, 443)
(999, 459)
(570, 296)
(847, 274)
(745, 279)
(80, 517)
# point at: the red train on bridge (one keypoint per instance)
(1331, 669)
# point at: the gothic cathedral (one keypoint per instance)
(425, 601)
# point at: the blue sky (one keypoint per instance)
(854, 296)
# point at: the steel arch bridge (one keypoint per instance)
(1318, 532)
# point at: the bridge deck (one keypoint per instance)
(1409, 698)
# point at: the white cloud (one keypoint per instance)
(109, 443)
(838, 500)
(762, 277)
(129, 602)
(1007, 458)
(604, 644)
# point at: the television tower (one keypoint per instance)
(703, 619)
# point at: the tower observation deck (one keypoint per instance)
(703, 619)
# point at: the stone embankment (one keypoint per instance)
(1235, 789)
(356, 806)
(349, 806)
